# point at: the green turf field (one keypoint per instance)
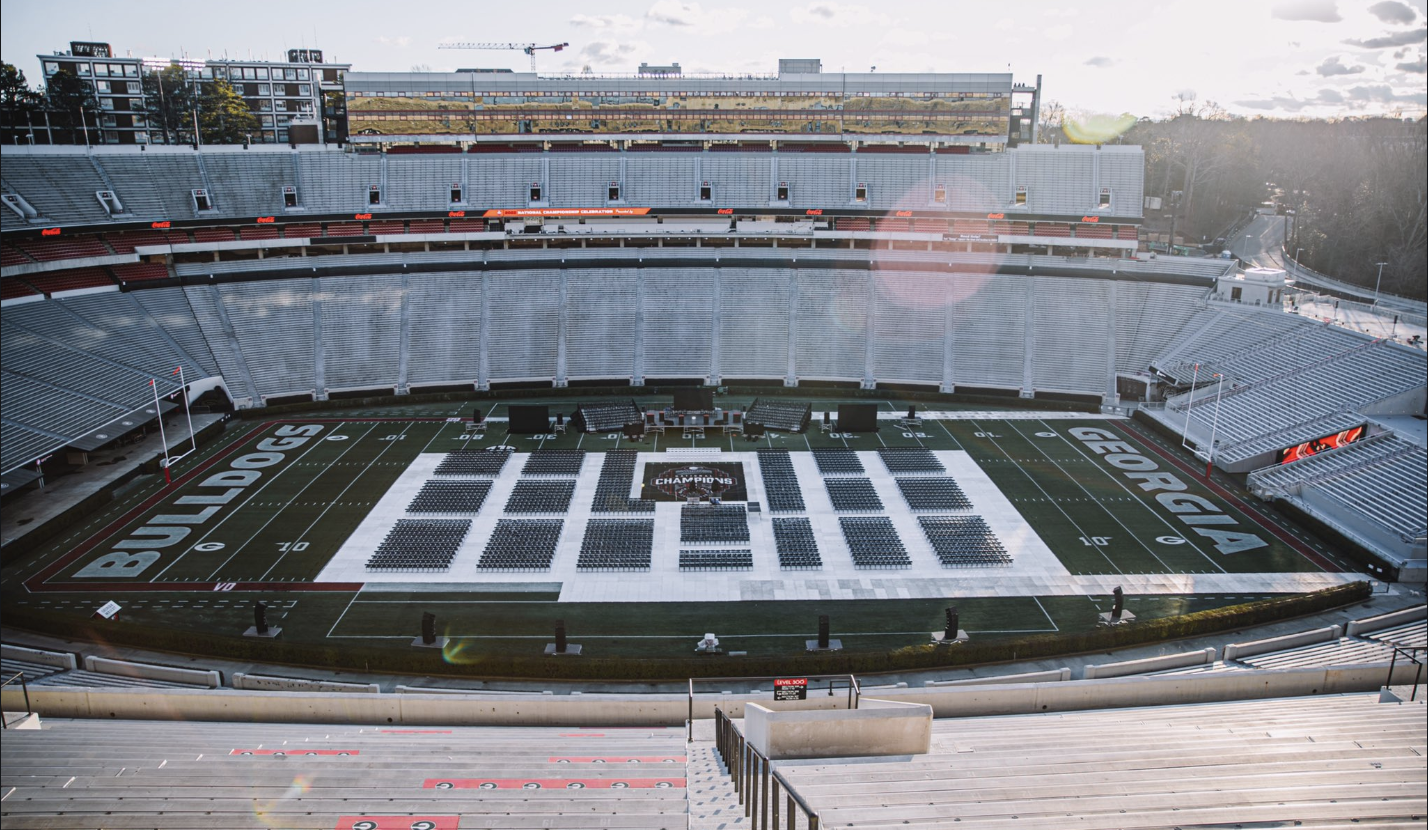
(281, 528)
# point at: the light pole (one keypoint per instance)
(1379, 282)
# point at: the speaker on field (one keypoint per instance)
(528, 419)
(428, 628)
(823, 642)
(260, 617)
(561, 646)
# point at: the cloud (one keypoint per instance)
(1331, 67)
(1331, 96)
(1391, 40)
(610, 52)
(402, 40)
(1391, 11)
(1385, 94)
(692, 15)
(1061, 32)
(1419, 66)
(1100, 62)
(605, 21)
(1316, 11)
(839, 15)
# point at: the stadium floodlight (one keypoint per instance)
(192, 65)
(156, 64)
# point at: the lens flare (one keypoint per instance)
(266, 813)
(1097, 129)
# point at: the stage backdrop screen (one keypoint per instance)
(679, 480)
(694, 400)
(528, 419)
(1318, 445)
(857, 417)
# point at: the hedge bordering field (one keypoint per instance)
(912, 658)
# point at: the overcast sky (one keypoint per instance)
(1281, 57)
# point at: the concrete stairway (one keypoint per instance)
(122, 774)
(1308, 762)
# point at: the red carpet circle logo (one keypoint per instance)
(693, 481)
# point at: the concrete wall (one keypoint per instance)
(671, 710)
(1389, 620)
(875, 728)
(262, 683)
(58, 659)
(1052, 676)
(149, 671)
(1151, 664)
(1303, 638)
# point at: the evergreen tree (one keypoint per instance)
(72, 103)
(223, 115)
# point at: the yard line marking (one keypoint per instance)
(950, 435)
(1054, 626)
(977, 426)
(313, 523)
(343, 614)
(232, 513)
(1165, 521)
(244, 503)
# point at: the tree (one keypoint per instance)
(168, 102)
(73, 103)
(223, 115)
(17, 103)
(1048, 131)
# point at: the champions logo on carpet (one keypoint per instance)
(702, 481)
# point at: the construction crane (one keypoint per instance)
(528, 48)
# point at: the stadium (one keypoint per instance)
(450, 430)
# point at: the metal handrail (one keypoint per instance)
(1409, 652)
(756, 781)
(4, 724)
(855, 692)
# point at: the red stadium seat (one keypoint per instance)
(344, 229)
(140, 271)
(12, 287)
(74, 247)
(429, 225)
(258, 232)
(12, 256)
(125, 243)
(70, 280)
(212, 234)
(386, 228)
(302, 231)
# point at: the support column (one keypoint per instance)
(560, 332)
(716, 326)
(637, 376)
(483, 361)
(791, 378)
(870, 330)
(319, 370)
(1028, 377)
(949, 342)
(1112, 396)
(404, 343)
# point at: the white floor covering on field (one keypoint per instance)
(1035, 570)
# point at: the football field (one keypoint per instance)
(262, 511)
